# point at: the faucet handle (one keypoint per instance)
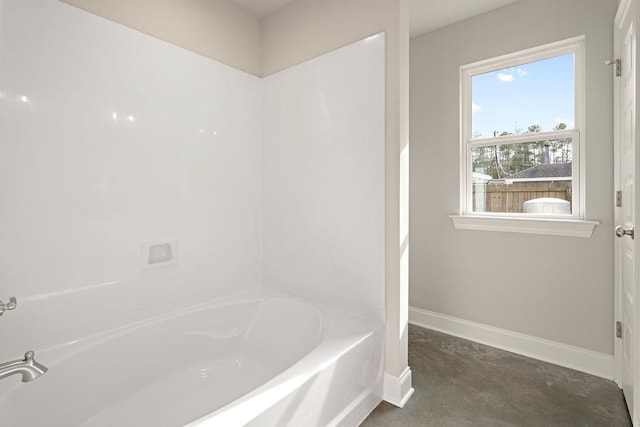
(28, 356)
(11, 305)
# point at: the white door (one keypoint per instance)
(625, 140)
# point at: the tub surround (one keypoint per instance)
(110, 139)
(323, 178)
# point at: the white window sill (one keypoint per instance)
(549, 226)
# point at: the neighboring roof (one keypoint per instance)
(556, 170)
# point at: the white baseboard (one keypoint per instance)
(397, 390)
(577, 358)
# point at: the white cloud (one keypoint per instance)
(505, 77)
(521, 72)
(475, 107)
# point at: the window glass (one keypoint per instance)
(533, 177)
(531, 97)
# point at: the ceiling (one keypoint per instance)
(261, 8)
(426, 15)
(429, 15)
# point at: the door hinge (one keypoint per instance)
(618, 329)
(618, 199)
(618, 64)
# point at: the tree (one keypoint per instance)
(560, 148)
(534, 128)
(502, 160)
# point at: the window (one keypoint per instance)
(521, 137)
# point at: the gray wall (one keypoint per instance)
(217, 29)
(557, 288)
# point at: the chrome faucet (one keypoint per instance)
(27, 367)
(11, 305)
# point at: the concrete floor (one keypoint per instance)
(461, 383)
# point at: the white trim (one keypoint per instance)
(398, 390)
(578, 168)
(625, 8)
(527, 225)
(522, 138)
(551, 178)
(580, 359)
(617, 306)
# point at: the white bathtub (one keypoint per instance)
(257, 359)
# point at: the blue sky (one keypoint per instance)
(539, 92)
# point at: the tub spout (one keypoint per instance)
(27, 367)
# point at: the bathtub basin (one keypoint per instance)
(255, 359)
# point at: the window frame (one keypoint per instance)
(523, 222)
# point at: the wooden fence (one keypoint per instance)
(502, 197)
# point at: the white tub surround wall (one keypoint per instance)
(108, 139)
(218, 29)
(318, 27)
(323, 178)
(555, 289)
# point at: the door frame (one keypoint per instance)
(635, 417)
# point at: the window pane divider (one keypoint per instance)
(524, 138)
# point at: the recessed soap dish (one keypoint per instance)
(159, 253)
